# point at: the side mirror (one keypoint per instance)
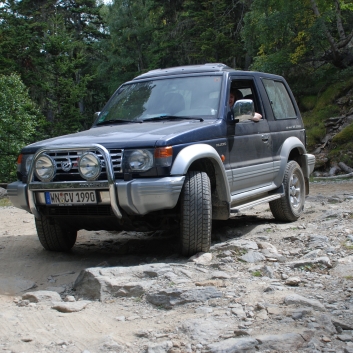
(243, 109)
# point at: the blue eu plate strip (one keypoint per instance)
(47, 198)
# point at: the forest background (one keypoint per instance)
(60, 60)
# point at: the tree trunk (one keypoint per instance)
(327, 33)
(345, 167)
(339, 21)
(340, 55)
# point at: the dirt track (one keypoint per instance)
(26, 266)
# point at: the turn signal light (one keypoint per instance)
(163, 152)
(163, 156)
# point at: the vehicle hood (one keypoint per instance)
(147, 134)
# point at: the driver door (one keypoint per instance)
(251, 158)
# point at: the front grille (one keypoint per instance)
(104, 210)
(67, 164)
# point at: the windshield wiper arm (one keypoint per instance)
(117, 121)
(165, 117)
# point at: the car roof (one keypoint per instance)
(205, 68)
(188, 69)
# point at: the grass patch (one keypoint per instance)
(314, 122)
(333, 92)
(318, 108)
(350, 278)
(344, 136)
(138, 299)
(5, 202)
(342, 146)
(307, 103)
(256, 274)
(306, 268)
(347, 246)
(319, 268)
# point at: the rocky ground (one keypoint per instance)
(265, 286)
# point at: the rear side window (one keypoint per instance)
(281, 103)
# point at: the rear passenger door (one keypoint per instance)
(251, 158)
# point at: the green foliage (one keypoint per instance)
(334, 91)
(342, 143)
(284, 36)
(131, 33)
(307, 102)
(322, 106)
(72, 54)
(344, 136)
(65, 85)
(314, 122)
(19, 121)
(209, 33)
(257, 274)
(347, 246)
(276, 34)
(148, 34)
(51, 44)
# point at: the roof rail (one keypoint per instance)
(177, 70)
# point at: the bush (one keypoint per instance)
(314, 122)
(344, 136)
(19, 120)
(343, 146)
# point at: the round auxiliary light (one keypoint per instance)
(44, 168)
(89, 166)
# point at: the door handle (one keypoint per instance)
(264, 138)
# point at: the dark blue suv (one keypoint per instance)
(168, 150)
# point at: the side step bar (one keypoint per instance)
(255, 203)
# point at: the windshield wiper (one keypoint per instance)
(166, 117)
(117, 121)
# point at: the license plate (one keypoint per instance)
(70, 197)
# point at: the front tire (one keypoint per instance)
(53, 236)
(196, 214)
(290, 206)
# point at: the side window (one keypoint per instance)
(245, 89)
(281, 103)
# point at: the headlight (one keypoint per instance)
(140, 161)
(89, 166)
(44, 168)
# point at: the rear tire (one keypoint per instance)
(53, 236)
(196, 214)
(290, 206)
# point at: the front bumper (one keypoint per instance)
(135, 197)
(141, 196)
(17, 193)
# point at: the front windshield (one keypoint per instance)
(196, 96)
